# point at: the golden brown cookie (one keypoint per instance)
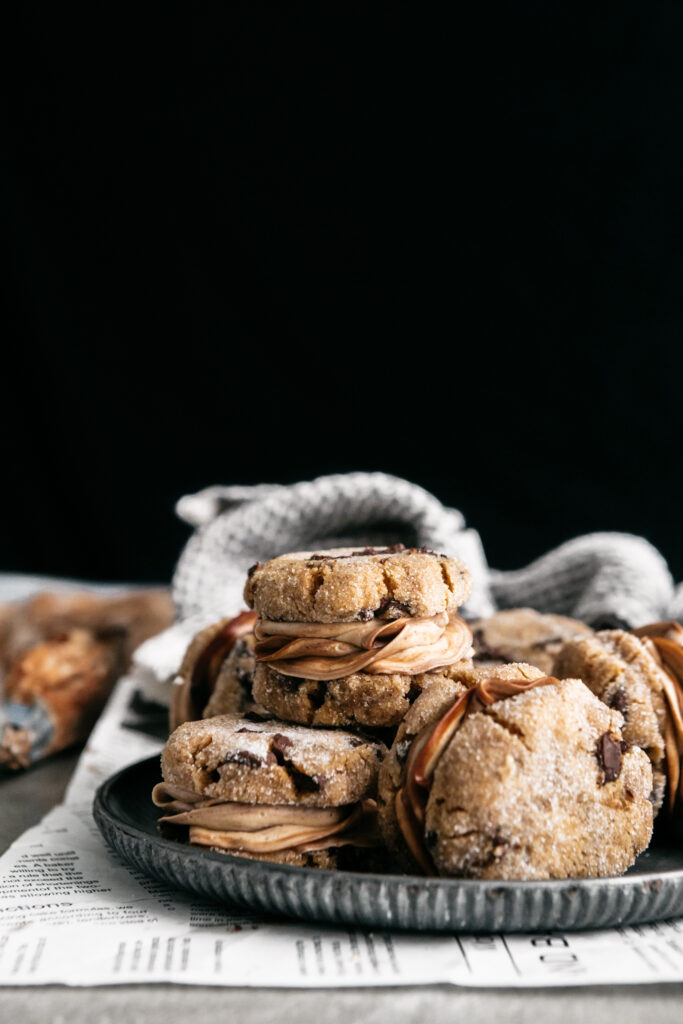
(232, 691)
(270, 791)
(232, 757)
(625, 671)
(523, 635)
(345, 584)
(536, 784)
(368, 701)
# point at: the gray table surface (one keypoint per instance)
(25, 798)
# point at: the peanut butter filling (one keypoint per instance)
(266, 828)
(326, 651)
(427, 749)
(664, 641)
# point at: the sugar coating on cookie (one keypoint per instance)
(537, 785)
(428, 708)
(524, 635)
(618, 668)
(344, 584)
(357, 700)
(241, 760)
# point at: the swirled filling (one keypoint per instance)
(325, 651)
(266, 828)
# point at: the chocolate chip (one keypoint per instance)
(355, 741)
(244, 729)
(252, 569)
(244, 679)
(302, 782)
(281, 743)
(430, 838)
(288, 683)
(414, 692)
(619, 701)
(246, 758)
(390, 608)
(609, 756)
(393, 550)
(316, 696)
(365, 614)
(306, 783)
(499, 846)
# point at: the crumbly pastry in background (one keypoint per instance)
(523, 635)
(60, 655)
(53, 695)
(128, 619)
(640, 674)
(520, 776)
(269, 790)
(350, 637)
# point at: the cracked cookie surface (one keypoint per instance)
(534, 786)
(618, 668)
(344, 584)
(523, 635)
(235, 758)
(431, 705)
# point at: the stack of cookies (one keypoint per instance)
(337, 638)
(348, 714)
(350, 638)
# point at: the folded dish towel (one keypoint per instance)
(600, 578)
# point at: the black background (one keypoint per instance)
(255, 246)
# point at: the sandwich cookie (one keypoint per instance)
(350, 637)
(518, 777)
(640, 673)
(216, 673)
(523, 635)
(270, 791)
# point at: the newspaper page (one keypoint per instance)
(72, 912)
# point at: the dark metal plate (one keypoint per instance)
(652, 889)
